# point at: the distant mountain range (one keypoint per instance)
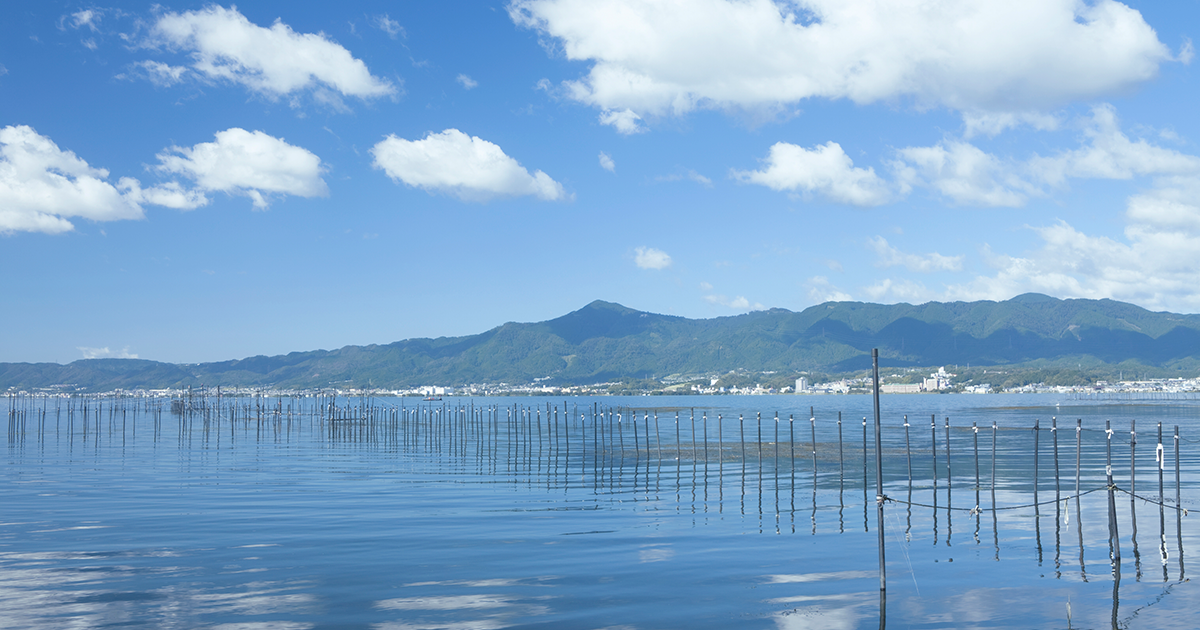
(605, 341)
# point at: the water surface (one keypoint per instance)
(497, 513)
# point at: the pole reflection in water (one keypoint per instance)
(1178, 507)
(949, 488)
(1078, 508)
(1160, 456)
(1037, 513)
(516, 443)
(841, 481)
(1057, 504)
(1137, 555)
(975, 444)
(933, 461)
(866, 518)
(995, 523)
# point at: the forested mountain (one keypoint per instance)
(604, 341)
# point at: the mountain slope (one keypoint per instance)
(604, 341)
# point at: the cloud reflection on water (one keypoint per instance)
(492, 610)
(40, 589)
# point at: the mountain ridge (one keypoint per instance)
(605, 341)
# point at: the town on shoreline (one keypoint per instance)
(938, 382)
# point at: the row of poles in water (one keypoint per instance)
(525, 428)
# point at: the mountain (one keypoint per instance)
(605, 341)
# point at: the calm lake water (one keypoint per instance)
(536, 512)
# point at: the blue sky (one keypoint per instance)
(193, 182)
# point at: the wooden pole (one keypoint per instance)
(879, 497)
(1114, 539)
(1178, 506)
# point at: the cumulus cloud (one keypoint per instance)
(650, 258)
(275, 61)
(467, 167)
(824, 170)
(889, 290)
(964, 174)
(158, 73)
(624, 121)
(249, 163)
(467, 82)
(42, 186)
(992, 123)
(1155, 268)
(1154, 262)
(891, 257)
(105, 353)
(607, 163)
(738, 303)
(169, 195)
(1173, 205)
(820, 289)
(980, 58)
(1110, 154)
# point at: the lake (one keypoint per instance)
(289, 513)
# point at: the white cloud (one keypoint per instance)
(704, 286)
(650, 258)
(888, 290)
(389, 26)
(1173, 205)
(105, 353)
(169, 195)
(891, 257)
(738, 303)
(962, 173)
(1187, 52)
(992, 123)
(689, 175)
(465, 166)
(657, 58)
(161, 74)
(86, 17)
(607, 163)
(1155, 262)
(1110, 154)
(275, 61)
(624, 121)
(1155, 265)
(1155, 269)
(967, 175)
(825, 170)
(42, 186)
(248, 163)
(467, 82)
(820, 289)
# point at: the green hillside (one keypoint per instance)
(604, 341)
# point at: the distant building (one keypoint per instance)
(937, 381)
(801, 385)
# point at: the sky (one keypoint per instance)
(192, 182)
